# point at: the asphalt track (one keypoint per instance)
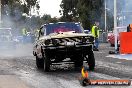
(19, 67)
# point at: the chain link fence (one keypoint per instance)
(103, 37)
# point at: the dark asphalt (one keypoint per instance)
(112, 66)
(22, 64)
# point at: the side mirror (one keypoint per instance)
(42, 33)
(39, 33)
(86, 31)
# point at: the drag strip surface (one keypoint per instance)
(64, 76)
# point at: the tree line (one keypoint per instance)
(89, 11)
(17, 13)
(85, 11)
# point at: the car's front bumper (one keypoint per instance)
(68, 51)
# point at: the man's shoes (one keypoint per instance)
(97, 49)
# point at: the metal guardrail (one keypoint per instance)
(103, 37)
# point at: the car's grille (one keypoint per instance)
(75, 39)
(70, 40)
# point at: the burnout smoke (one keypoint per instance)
(10, 29)
(20, 51)
(126, 13)
(123, 12)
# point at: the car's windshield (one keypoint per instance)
(63, 27)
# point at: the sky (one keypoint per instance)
(51, 7)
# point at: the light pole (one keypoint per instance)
(115, 24)
(105, 17)
(0, 13)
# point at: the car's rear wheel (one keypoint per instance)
(39, 62)
(47, 63)
(91, 60)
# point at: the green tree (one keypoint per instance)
(45, 18)
(13, 10)
(26, 5)
(85, 11)
(69, 11)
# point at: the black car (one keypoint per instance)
(58, 41)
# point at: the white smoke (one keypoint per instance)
(13, 22)
(124, 11)
(127, 12)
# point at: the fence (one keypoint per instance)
(103, 37)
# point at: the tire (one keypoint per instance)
(91, 60)
(78, 61)
(112, 45)
(34, 54)
(39, 62)
(46, 64)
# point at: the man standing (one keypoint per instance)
(24, 34)
(95, 33)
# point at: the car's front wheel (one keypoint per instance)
(39, 62)
(47, 63)
(91, 60)
(78, 61)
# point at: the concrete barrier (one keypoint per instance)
(126, 42)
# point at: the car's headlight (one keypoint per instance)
(55, 41)
(47, 42)
(87, 39)
(51, 42)
(83, 40)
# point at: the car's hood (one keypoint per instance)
(65, 35)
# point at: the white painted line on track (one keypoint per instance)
(122, 56)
